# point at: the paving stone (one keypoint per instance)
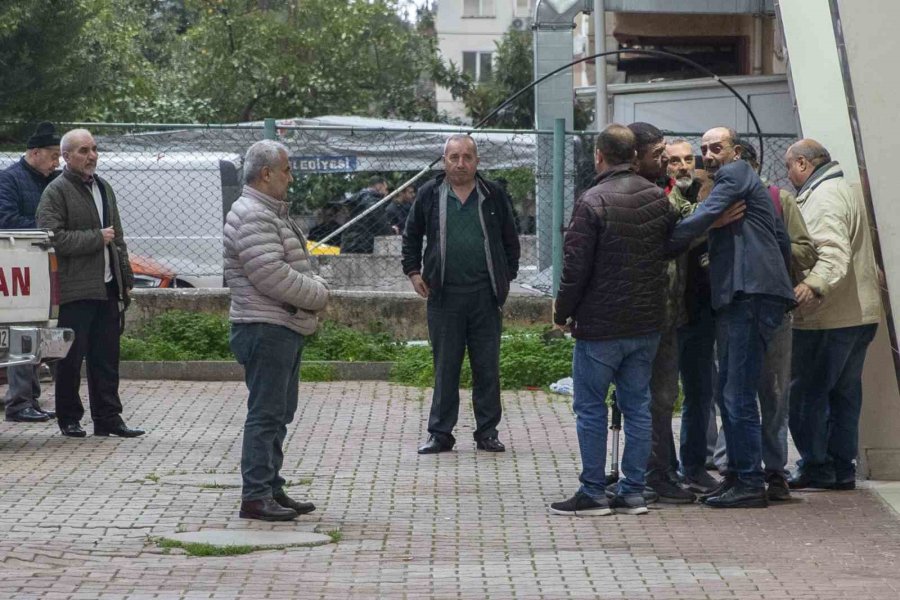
(76, 516)
(250, 537)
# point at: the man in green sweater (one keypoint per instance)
(471, 256)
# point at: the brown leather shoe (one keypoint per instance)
(301, 508)
(266, 509)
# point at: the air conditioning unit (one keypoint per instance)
(520, 24)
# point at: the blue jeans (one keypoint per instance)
(774, 391)
(744, 328)
(628, 363)
(826, 398)
(697, 364)
(270, 355)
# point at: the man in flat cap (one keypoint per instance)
(21, 186)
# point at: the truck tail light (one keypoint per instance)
(54, 286)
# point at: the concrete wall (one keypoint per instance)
(401, 313)
(821, 95)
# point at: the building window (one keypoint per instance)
(478, 65)
(523, 8)
(478, 8)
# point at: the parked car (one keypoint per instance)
(149, 273)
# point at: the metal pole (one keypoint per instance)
(270, 133)
(601, 110)
(559, 163)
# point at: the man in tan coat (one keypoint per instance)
(839, 310)
(275, 296)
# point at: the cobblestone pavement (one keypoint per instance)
(77, 516)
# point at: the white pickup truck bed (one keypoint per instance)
(29, 300)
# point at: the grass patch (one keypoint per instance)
(197, 549)
(526, 360)
(303, 481)
(180, 336)
(215, 486)
(335, 535)
(152, 477)
(316, 371)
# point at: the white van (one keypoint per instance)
(171, 210)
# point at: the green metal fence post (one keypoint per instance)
(559, 162)
(270, 132)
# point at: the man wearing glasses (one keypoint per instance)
(750, 293)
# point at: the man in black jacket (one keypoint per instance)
(612, 295)
(21, 186)
(471, 257)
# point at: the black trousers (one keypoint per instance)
(96, 326)
(456, 322)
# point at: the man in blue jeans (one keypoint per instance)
(840, 307)
(275, 296)
(751, 291)
(612, 295)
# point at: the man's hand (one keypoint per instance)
(734, 213)
(804, 294)
(108, 235)
(419, 285)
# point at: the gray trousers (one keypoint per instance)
(773, 395)
(663, 395)
(24, 388)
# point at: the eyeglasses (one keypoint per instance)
(714, 148)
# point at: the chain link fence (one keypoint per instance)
(174, 184)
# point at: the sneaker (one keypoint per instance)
(612, 490)
(632, 504)
(701, 482)
(801, 481)
(739, 496)
(777, 489)
(581, 505)
(727, 482)
(671, 493)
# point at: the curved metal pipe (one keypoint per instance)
(657, 53)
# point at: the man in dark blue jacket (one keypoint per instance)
(751, 291)
(21, 186)
(470, 259)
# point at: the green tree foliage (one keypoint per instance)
(216, 60)
(513, 70)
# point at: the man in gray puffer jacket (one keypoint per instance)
(275, 295)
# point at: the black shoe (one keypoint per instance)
(72, 430)
(670, 493)
(490, 444)
(801, 481)
(632, 504)
(777, 489)
(739, 496)
(612, 490)
(27, 415)
(50, 413)
(581, 505)
(119, 429)
(726, 484)
(843, 485)
(301, 508)
(266, 509)
(436, 444)
(701, 482)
